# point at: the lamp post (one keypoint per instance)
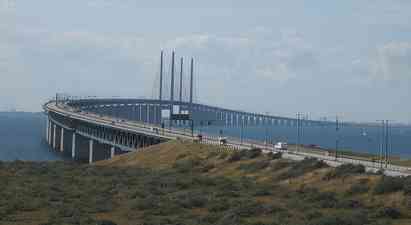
(337, 128)
(298, 131)
(241, 131)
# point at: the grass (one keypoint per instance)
(185, 183)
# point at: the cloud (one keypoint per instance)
(258, 53)
(7, 6)
(391, 62)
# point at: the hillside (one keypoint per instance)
(186, 183)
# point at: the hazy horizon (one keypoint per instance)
(350, 59)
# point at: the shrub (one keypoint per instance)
(218, 205)
(262, 191)
(147, 203)
(105, 222)
(254, 166)
(191, 199)
(349, 204)
(186, 165)
(222, 155)
(302, 167)
(388, 212)
(207, 167)
(359, 188)
(203, 181)
(407, 186)
(388, 185)
(181, 156)
(344, 218)
(314, 214)
(345, 170)
(323, 199)
(253, 153)
(281, 164)
(236, 156)
(248, 209)
(350, 169)
(212, 154)
(245, 154)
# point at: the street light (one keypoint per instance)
(241, 131)
(337, 128)
(384, 143)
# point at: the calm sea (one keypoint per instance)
(22, 137)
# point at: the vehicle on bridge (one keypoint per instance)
(222, 140)
(154, 130)
(281, 146)
(198, 138)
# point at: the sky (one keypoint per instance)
(323, 58)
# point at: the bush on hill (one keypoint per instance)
(407, 185)
(236, 156)
(388, 185)
(388, 212)
(343, 218)
(359, 188)
(344, 170)
(300, 168)
(254, 166)
(245, 154)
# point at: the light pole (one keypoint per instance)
(241, 131)
(298, 131)
(381, 143)
(337, 128)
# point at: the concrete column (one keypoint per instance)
(47, 130)
(148, 113)
(112, 152)
(62, 140)
(73, 146)
(90, 156)
(154, 114)
(54, 136)
(140, 116)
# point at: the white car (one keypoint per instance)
(281, 146)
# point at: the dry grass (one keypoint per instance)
(131, 175)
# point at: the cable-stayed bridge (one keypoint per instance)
(93, 128)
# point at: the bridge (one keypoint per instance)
(92, 129)
(95, 129)
(126, 124)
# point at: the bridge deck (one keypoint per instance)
(154, 130)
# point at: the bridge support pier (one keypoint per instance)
(73, 146)
(47, 130)
(54, 136)
(62, 140)
(112, 152)
(90, 156)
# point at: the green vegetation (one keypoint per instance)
(390, 184)
(345, 170)
(305, 166)
(205, 186)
